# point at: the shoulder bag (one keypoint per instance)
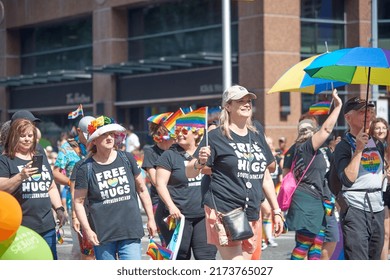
(289, 185)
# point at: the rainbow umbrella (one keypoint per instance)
(357, 65)
(296, 79)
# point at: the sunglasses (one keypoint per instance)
(160, 138)
(181, 130)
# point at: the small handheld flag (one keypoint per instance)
(169, 123)
(159, 118)
(320, 108)
(171, 222)
(78, 112)
(196, 118)
(60, 233)
(158, 252)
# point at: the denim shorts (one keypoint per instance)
(128, 249)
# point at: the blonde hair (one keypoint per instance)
(224, 120)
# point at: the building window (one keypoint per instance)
(322, 28)
(384, 30)
(179, 27)
(322, 22)
(384, 24)
(285, 107)
(55, 47)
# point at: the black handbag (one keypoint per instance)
(236, 224)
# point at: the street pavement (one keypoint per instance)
(281, 252)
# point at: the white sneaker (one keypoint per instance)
(272, 243)
(263, 245)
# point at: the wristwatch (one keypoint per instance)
(61, 208)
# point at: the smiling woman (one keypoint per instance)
(180, 195)
(36, 192)
(238, 156)
(111, 181)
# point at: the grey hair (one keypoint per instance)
(4, 130)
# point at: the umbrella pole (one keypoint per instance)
(331, 102)
(368, 89)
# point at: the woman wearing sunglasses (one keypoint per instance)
(238, 156)
(182, 196)
(111, 181)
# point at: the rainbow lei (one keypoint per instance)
(99, 122)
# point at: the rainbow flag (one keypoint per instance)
(169, 123)
(79, 112)
(320, 108)
(158, 252)
(60, 240)
(195, 118)
(171, 222)
(139, 158)
(159, 118)
(186, 110)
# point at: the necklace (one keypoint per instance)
(249, 156)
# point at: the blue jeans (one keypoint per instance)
(128, 249)
(51, 239)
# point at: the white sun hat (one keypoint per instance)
(102, 125)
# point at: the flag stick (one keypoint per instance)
(207, 126)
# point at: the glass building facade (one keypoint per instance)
(66, 45)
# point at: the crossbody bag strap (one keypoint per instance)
(304, 172)
(123, 156)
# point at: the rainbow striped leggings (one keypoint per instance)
(308, 243)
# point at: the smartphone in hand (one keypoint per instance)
(37, 162)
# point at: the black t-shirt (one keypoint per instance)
(113, 204)
(314, 182)
(151, 154)
(289, 157)
(278, 171)
(74, 170)
(32, 194)
(185, 192)
(229, 162)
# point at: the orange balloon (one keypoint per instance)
(10, 215)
